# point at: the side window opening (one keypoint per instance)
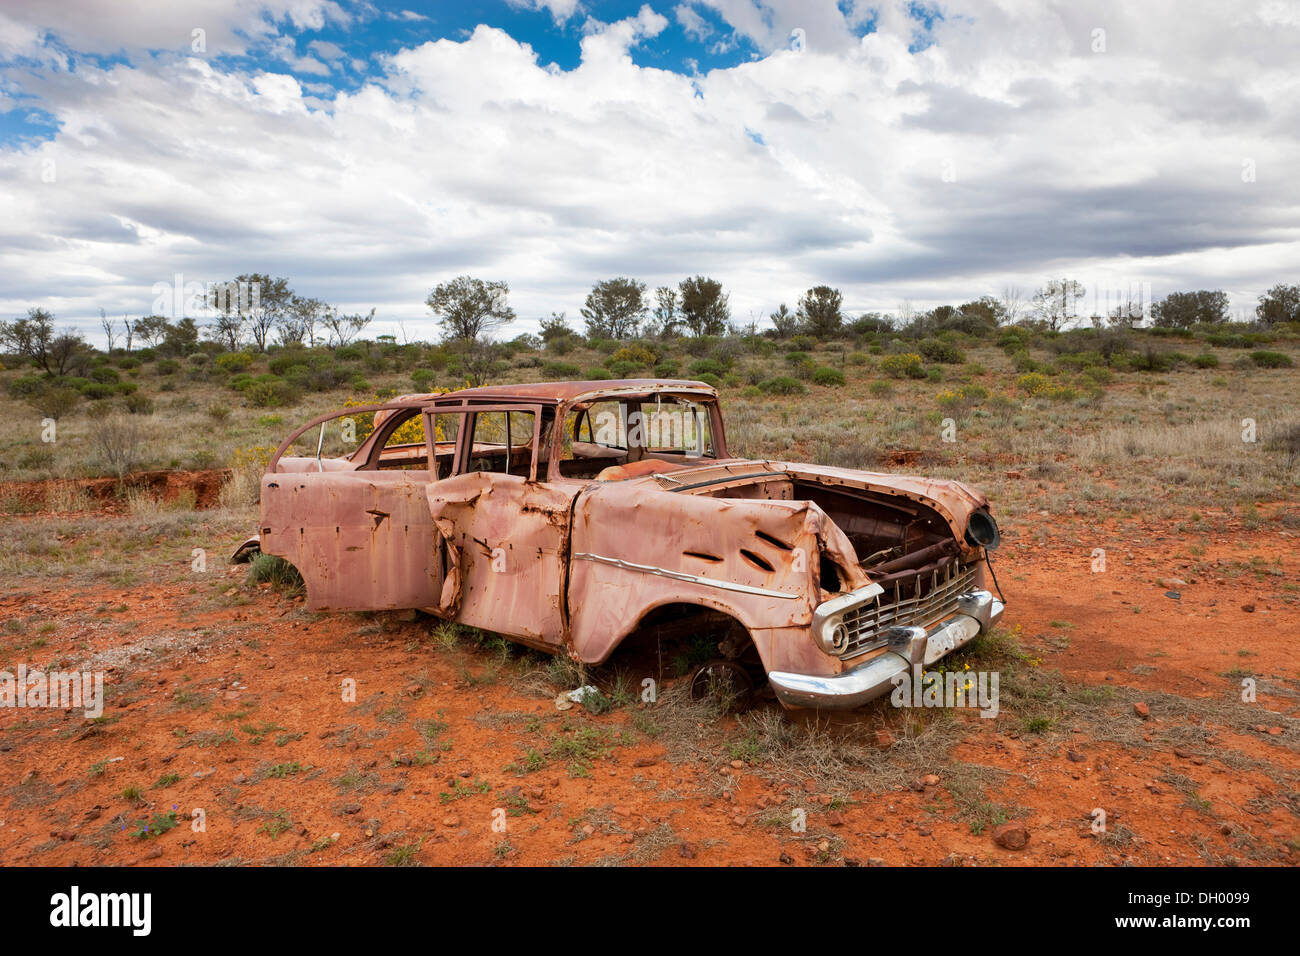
(503, 443)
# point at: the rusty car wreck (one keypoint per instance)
(569, 516)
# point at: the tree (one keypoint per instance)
(254, 301)
(34, 338)
(343, 329)
(181, 337)
(704, 306)
(1279, 304)
(1055, 303)
(667, 313)
(820, 311)
(982, 315)
(110, 329)
(228, 330)
(468, 308)
(302, 319)
(614, 308)
(556, 327)
(1181, 310)
(1125, 316)
(1011, 304)
(151, 329)
(785, 322)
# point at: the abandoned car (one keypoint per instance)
(571, 516)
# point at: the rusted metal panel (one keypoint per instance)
(511, 537)
(361, 540)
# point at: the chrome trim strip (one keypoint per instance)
(682, 576)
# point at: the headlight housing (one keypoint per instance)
(982, 530)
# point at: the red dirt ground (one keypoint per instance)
(191, 666)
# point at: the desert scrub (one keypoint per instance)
(1038, 385)
(903, 365)
(273, 570)
(783, 385)
(1266, 359)
(830, 377)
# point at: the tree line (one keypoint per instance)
(255, 310)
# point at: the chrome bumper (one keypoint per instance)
(977, 612)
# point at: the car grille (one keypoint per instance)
(934, 597)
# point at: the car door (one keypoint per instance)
(505, 533)
(360, 534)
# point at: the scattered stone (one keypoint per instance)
(1248, 608)
(451, 820)
(1173, 584)
(884, 739)
(1142, 710)
(1011, 836)
(930, 780)
(644, 762)
(1075, 757)
(738, 764)
(835, 819)
(1275, 731)
(785, 858)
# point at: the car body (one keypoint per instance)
(569, 516)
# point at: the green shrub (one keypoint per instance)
(706, 367)
(937, 350)
(104, 375)
(597, 374)
(96, 390)
(1206, 360)
(167, 367)
(234, 361)
(1265, 359)
(783, 385)
(562, 370)
(708, 378)
(270, 391)
(668, 368)
(139, 404)
(903, 365)
(128, 363)
(26, 385)
(831, 377)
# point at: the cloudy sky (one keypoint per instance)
(904, 152)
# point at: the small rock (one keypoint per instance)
(1142, 710)
(884, 739)
(930, 780)
(1075, 757)
(451, 820)
(1248, 608)
(687, 851)
(1275, 731)
(1011, 836)
(738, 764)
(834, 819)
(644, 762)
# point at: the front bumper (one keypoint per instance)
(977, 612)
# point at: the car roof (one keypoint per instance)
(555, 392)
